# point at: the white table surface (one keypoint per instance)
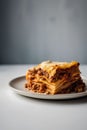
(21, 113)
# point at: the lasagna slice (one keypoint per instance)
(55, 77)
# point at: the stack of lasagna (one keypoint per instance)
(55, 77)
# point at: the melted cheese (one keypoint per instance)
(51, 67)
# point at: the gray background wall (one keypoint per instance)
(37, 30)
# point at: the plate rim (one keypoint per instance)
(45, 96)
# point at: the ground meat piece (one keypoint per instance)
(42, 72)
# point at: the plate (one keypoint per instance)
(18, 83)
